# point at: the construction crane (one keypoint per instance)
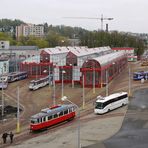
(101, 18)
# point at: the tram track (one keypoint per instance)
(25, 134)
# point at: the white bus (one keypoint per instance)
(113, 101)
(36, 84)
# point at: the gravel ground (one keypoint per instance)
(95, 129)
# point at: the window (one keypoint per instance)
(49, 117)
(122, 97)
(44, 118)
(33, 121)
(70, 110)
(61, 113)
(99, 105)
(66, 112)
(55, 116)
(5, 67)
(39, 120)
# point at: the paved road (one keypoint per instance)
(134, 130)
(92, 131)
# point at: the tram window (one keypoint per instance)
(66, 112)
(33, 121)
(38, 120)
(61, 113)
(70, 110)
(49, 117)
(44, 118)
(55, 116)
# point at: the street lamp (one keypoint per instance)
(18, 111)
(54, 102)
(106, 82)
(36, 58)
(129, 80)
(107, 79)
(48, 71)
(64, 98)
(101, 81)
(83, 106)
(83, 91)
(2, 94)
(94, 75)
(72, 77)
(63, 72)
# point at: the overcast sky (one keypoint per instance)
(129, 15)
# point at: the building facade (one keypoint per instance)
(87, 66)
(29, 29)
(4, 44)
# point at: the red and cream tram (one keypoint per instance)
(51, 116)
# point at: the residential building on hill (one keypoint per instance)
(29, 29)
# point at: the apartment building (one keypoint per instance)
(29, 29)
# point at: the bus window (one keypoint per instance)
(99, 105)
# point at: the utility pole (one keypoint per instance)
(83, 95)
(2, 95)
(18, 111)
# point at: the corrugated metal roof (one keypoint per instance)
(80, 52)
(56, 50)
(122, 48)
(34, 59)
(23, 48)
(108, 58)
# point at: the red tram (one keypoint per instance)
(51, 116)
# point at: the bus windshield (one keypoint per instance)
(99, 105)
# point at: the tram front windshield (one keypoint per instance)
(32, 84)
(98, 105)
(33, 121)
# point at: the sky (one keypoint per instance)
(128, 15)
